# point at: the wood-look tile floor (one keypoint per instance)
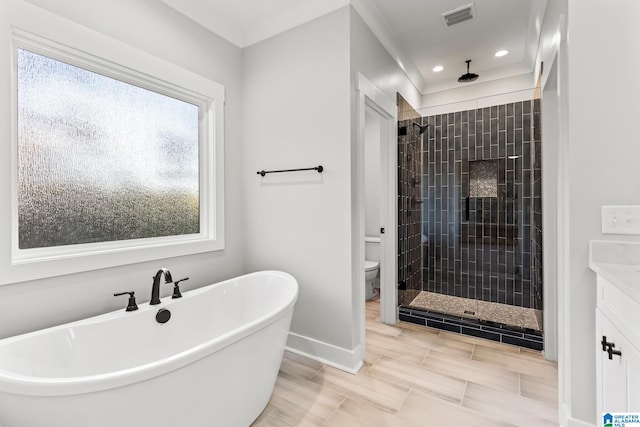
(417, 376)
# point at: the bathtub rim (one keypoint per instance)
(13, 383)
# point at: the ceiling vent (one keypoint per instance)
(459, 14)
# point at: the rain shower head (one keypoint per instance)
(422, 128)
(469, 77)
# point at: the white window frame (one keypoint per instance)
(125, 63)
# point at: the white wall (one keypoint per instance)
(480, 95)
(552, 52)
(555, 12)
(370, 58)
(153, 27)
(601, 169)
(372, 175)
(372, 61)
(603, 159)
(296, 115)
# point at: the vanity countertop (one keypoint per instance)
(619, 264)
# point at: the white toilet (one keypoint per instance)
(370, 273)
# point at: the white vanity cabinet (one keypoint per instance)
(617, 349)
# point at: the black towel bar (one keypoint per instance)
(317, 168)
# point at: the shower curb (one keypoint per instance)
(527, 338)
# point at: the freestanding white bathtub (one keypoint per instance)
(213, 364)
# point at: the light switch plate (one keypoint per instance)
(621, 220)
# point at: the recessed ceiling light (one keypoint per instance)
(438, 68)
(501, 53)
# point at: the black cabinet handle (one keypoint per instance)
(609, 348)
(611, 352)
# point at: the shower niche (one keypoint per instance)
(488, 216)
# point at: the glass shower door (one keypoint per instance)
(409, 211)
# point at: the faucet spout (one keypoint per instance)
(155, 290)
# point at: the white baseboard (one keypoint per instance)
(577, 423)
(329, 354)
(566, 420)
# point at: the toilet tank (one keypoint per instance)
(372, 248)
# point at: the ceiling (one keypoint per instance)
(413, 31)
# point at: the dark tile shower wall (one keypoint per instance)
(409, 203)
(481, 191)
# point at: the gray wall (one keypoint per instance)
(296, 110)
(299, 104)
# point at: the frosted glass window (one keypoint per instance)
(101, 160)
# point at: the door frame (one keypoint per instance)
(371, 98)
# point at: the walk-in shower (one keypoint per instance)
(472, 217)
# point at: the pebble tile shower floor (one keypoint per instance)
(520, 317)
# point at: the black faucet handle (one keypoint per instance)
(131, 306)
(176, 288)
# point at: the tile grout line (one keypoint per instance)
(428, 352)
(520, 384)
(464, 393)
(316, 373)
(324, 422)
(406, 396)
